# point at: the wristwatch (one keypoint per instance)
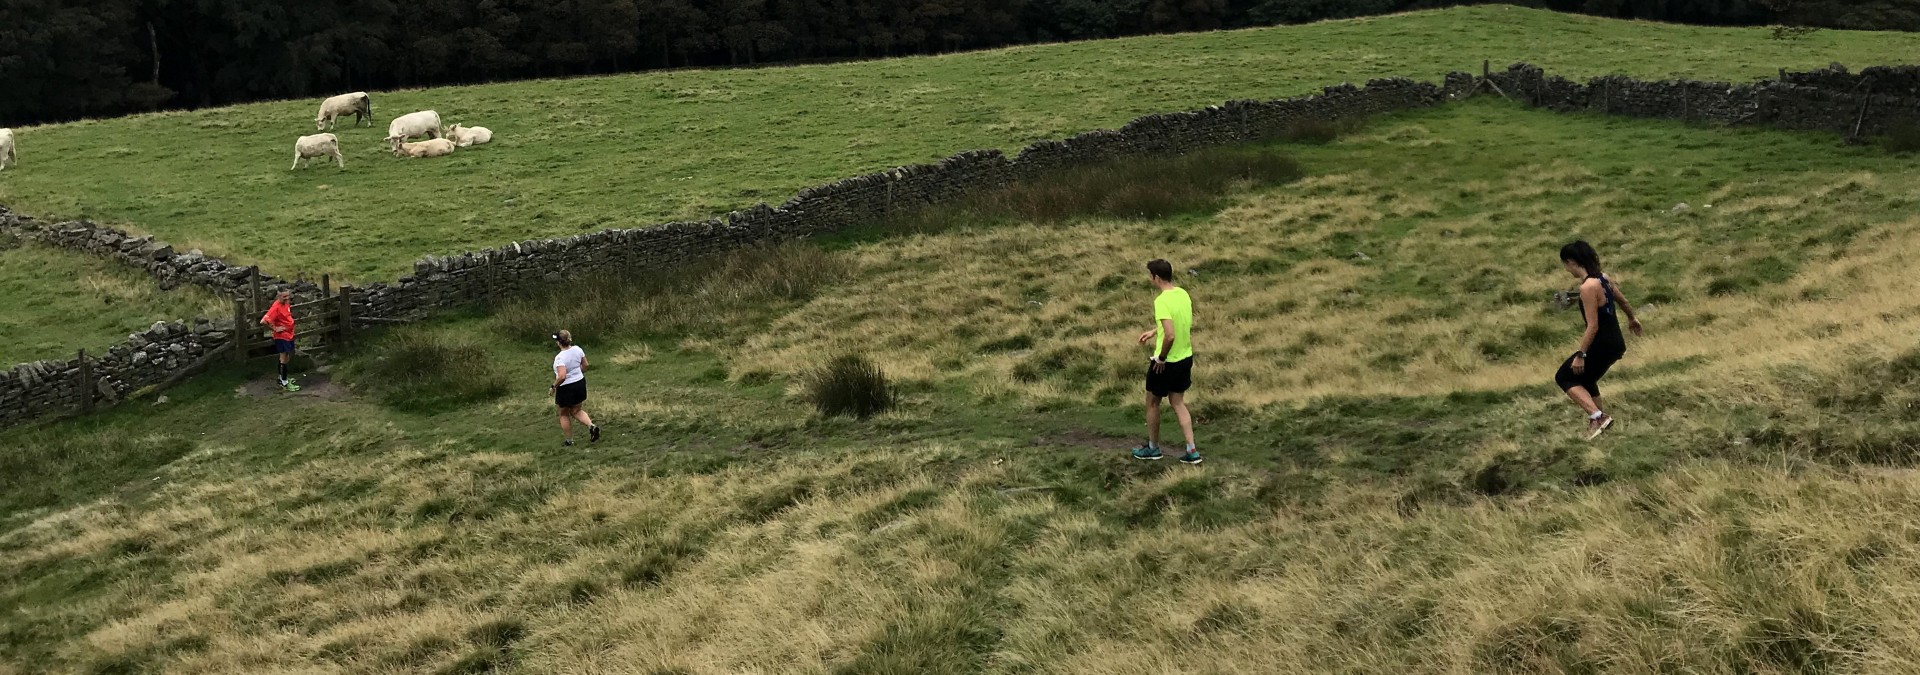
(1579, 355)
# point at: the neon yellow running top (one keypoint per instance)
(1174, 304)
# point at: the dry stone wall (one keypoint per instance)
(147, 358)
(1873, 102)
(157, 258)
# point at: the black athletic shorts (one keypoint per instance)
(570, 395)
(1174, 379)
(282, 346)
(1597, 365)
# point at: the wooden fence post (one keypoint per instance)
(346, 315)
(253, 289)
(326, 289)
(85, 385)
(240, 329)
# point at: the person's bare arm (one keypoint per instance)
(1633, 322)
(559, 376)
(1590, 298)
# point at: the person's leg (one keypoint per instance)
(1585, 400)
(1179, 401)
(1575, 384)
(1153, 420)
(1152, 449)
(566, 423)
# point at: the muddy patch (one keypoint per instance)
(313, 387)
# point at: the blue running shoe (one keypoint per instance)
(1192, 457)
(1147, 453)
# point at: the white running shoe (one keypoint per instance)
(1596, 427)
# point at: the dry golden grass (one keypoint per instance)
(1711, 567)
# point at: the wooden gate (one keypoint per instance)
(329, 319)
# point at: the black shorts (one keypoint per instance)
(1174, 379)
(281, 346)
(570, 395)
(1597, 365)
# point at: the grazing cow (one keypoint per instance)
(357, 104)
(465, 136)
(432, 148)
(317, 145)
(7, 157)
(423, 123)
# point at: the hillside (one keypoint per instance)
(591, 153)
(1391, 483)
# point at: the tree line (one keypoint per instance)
(64, 59)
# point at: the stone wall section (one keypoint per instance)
(1873, 102)
(147, 358)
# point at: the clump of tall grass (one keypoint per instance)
(1902, 138)
(850, 385)
(425, 371)
(1311, 131)
(1143, 188)
(697, 298)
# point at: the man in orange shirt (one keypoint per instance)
(280, 318)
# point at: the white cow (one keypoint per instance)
(465, 136)
(317, 145)
(432, 148)
(423, 123)
(7, 157)
(358, 104)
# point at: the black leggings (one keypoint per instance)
(1597, 365)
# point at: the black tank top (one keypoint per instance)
(1608, 340)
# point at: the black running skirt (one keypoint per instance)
(570, 395)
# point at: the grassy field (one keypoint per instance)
(586, 154)
(58, 302)
(1391, 485)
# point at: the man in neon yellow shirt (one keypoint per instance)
(1170, 370)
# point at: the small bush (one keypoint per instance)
(850, 385)
(1902, 138)
(422, 371)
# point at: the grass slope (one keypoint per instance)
(586, 154)
(1428, 512)
(58, 302)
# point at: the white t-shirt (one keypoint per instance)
(571, 358)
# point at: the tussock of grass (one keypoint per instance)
(850, 385)
(425, 371)
(1902, 139)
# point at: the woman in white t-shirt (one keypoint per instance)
(570, 387)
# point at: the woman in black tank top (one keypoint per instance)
(1602, 344)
